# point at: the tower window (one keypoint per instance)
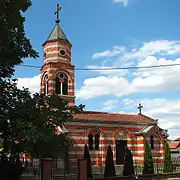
(152, 141)
(90, 141)
(97, 141)
(61, 84)
(44, 54)
(45, 84)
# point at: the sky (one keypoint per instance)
(115, 33)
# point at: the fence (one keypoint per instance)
(31, 173)
(159, 167)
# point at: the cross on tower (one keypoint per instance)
(140, 108)
(57, 13)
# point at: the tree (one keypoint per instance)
(148, 160)
(109, 166)
(88, 158)
(14, 45)
(128, 164)
(167, 159)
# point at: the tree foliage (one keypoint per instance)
(88, 158)
(128, 164)
(29, 124)
(167, 159)
(109, 166)
(14, 45)
(148, 160)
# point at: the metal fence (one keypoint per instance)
(159, 167)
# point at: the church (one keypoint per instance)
(97, 130)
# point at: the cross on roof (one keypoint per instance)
(140, 108)
(57, 13)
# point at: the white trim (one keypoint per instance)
(51, 88)
(51, 82)
(55, 58)
(56, 45)
(70, 90)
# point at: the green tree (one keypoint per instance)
(148, 160)
(128, 164)
(167, 158)
(14, 45)
(109, 166)
(88, 158)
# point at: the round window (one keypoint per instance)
(61, 75)
(62, 52)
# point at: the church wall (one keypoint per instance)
(80, 138)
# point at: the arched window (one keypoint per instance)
(45, 84)
(90, 141)
(97, 141)
(152, 141)
(61, 84)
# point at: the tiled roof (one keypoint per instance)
(89, 115)
(57, 34)
(174, 144)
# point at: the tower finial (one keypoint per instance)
(57, 13)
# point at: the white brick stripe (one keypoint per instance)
(104, 152)
(55, 52)
(55, 58)
(54, 46)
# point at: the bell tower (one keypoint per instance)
(57, 72)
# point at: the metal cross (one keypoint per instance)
(57, 13)
(140, 108)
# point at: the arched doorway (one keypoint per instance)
(121, 143)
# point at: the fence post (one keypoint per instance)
(46, 168)
(82, 169)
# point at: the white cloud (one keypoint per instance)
(152, 48)
(109, 53)
(125, 2)
(107, 70)
(166, 110)
(33, 83)
(145, 81)
(103, 85)
(122, 82)
(110, 105)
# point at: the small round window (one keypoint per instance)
(62, 52)
(61, 76)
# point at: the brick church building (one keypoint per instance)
(96, 129)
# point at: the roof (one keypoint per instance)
(90, 115)
(174, 144)
(57, 34)
(146, 129)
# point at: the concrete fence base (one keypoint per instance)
(142, 177)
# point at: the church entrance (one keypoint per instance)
(121, 143)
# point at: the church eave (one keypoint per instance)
(57, 40)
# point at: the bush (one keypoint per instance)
(109, 167)
(148, 160)
(167, 159)
(88, 158)
(128, 163)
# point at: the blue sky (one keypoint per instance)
(115, 33)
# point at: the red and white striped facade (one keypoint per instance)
(109, 127)
(130, 126)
